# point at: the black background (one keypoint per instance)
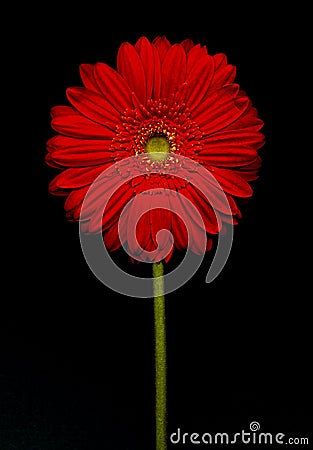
(76, 359)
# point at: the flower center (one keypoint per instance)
(157, 147)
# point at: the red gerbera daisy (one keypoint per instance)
(162, 101)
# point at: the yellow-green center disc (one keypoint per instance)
(157, 147)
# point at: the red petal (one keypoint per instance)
(187, 45)
(74, 202)
(184, 228)
(199, 79)
(249, 120)
(111, 238)
(66, 120)
(130, 67)
(74, 178)
(157, 75)
(196, 54)
(209, 244)
(231, 136)
(167, 257)
(93, 106)
(199, 242)
(71, 152)
(160, 219)
(105, 202)
(162, 45)
(173, 70)
(115, 205)
(87, 76)
(209, 220)
(138, 231)
(143, 222)
(103, 189)
(250, 172)
(113, 87)
(76, 145)
(227, 154)
(220, 61)
(179, 232)
(196, 233)
(228, 219)
(231, 182)
(224, 73)
(51, 163)
(146, 53)
(214, 100)
(222, 109)
(245, 130)
(210, 190)
(122, 224)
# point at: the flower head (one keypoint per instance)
(163, 101)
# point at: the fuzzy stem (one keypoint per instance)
(160, 356)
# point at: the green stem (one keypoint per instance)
(160, 355)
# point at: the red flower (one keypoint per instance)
(171, 99)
